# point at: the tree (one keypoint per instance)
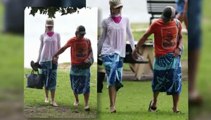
(50, 11)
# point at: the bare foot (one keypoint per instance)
(113, 109)
(195, 99)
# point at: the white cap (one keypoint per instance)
(115, 3)
(49, 22)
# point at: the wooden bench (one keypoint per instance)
(138, 67)
(155, 7)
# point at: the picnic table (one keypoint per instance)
(148, 57)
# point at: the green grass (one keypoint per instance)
(1, 16)
(204, 65)
(203, 76)
(138, 25)
(11, 50)
(137, 35)
(133, 100)
(34, 99)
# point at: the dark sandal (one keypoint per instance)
(87, 109)
(151, 108)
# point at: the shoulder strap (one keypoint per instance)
(87, 40)
(177, 23)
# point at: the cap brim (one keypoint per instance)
(82, 33)
(118, 6)
(49, 25)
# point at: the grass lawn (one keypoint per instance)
(133, 100)
(204, 65)
(34, 106)
(11, 50)
(203, 78)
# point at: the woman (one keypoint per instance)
(81, 53)
(50, 44)
(112, 46)
(181, 8)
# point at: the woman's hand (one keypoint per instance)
(55, 60)
(134, 54)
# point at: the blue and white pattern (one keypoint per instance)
(113, 65)
(49, 70)
(167, 74)
(80, 80)
(180, 5)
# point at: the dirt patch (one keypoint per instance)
(56, 112)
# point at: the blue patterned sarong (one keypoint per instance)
(49, 70)
(167, 74)
(180, 5)
(80, 80)
(113, 65)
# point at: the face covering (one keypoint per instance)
(116, 18)
(50, 33)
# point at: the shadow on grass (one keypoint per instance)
(159, 112)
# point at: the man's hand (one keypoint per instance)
(86, 60)
(177, 52)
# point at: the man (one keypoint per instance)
(167, 65)
(81, 55)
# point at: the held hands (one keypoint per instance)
(134, 54)
(55, 59)
(137, 56)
